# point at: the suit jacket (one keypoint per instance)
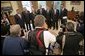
(14, 45)
(43, 12)
(54, 15)
(19, 20)
(32, 16)
(63, 13)
(25, 16)
(80, 29)
(48, 15)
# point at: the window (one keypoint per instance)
(57, 5)
(27, 4)
(42, 3)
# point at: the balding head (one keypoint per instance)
(39, 20)
(15, 30)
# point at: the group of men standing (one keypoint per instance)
(24, 18)
(52, 17)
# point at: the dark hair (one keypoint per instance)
(70, 26)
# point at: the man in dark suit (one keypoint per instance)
(70, 44)
(32, 16)
(26, 17)
(41, 11)
(63, 13)
(80, 25)
(48, 17)
(55, 16)
(18, 19)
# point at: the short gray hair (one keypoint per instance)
(70, 26)
(15, 29)
(39, 20)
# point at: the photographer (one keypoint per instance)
(69, 40)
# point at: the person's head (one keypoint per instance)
(72, 8)
(39, 21)
(70, 26)
(24, 9)
(15, 30)
(62, 5)
(18, 11)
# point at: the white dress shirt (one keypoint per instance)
(48, 38)
(55, 11)
(19, 15)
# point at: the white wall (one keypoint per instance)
(5, 4)
(77, 7)
(14, 6)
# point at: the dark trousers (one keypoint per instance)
(49, 23)
(28, 24)
(55, 24)
(22, 26)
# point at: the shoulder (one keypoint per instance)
(30, 33)
(47, 33)
(79, 34)
(7, 39)
(23, 41)
(49, 37)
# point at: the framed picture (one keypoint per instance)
(75, 2)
